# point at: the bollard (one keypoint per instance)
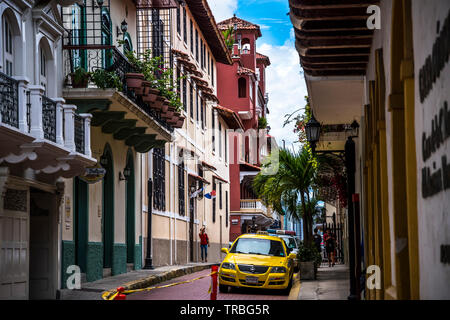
(120, 295)
(214, 270)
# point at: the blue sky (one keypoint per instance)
(285, 82)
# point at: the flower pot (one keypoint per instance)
(151, 95)
(146, 85)
(134, 81)
(180, 122)
(79, 84)
(169, 112)
(307, 270)
(158, 104)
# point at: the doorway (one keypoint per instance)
(130, 207)
(108, 207)
(81, 204)
(42, 262)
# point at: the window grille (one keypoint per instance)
(181, 189)
(159, 179)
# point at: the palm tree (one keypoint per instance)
(228, 36)
(290, 187)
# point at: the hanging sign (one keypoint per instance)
(93, 174)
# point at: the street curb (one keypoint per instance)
(151, 280)
(296, 285)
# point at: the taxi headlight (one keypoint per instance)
(278, 270)
(228, 265)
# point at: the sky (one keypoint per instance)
(285, 83)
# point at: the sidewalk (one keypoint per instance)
(131, 280)
(331, 284)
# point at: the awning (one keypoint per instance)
(231, 118)
(196, 177)
(219, 178)
(210, 166)
(249, 166)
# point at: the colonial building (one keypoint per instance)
(44, 140)
(384, 64)
(102, 231)
(242, 89)
(198, 158)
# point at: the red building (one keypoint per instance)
(241, 88)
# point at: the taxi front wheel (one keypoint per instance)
(223, 288)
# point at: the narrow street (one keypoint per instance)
(198, 290)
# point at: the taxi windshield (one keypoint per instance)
(290, 242)
(258, 246)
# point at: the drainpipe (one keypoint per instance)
(148, 258)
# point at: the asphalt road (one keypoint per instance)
(198, 290)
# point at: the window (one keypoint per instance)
(8, 47)
(43, 69)
(196, 45)
(192, 37)
(220, 139)
(213, 138)
(184, 26)
(181, 196)
(184, 94)
(212, 73)
(197, 105)
(226, 146)
(202, 103)
(178, 20)
(220, 195)
(242, 87)
(214, 204)
(178, 81)
(191, 100)
(159, 179)
(209, 65)
(200, 174)
(226, 209)
(201, 53)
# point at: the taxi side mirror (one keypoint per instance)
(292, 256)
(224, 250)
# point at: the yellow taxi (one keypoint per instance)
(257, 261)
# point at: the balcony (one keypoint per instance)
(144, 107)
(40, 133)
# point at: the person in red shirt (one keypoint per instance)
(204, 244)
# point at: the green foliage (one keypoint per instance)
(160, 77)
(289, 186)
(262, 123)
(80, 75)
(300, 120)
(106, 79)
(228, 36)
(308, 252)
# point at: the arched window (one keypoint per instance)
(246, 47)
(8, 47)
(242, 87)
(43, 68)
(106, 38)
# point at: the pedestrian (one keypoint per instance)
(330, 245)
(204, 244)
(317, 240)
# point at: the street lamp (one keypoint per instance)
(312, 129)
(123, 28)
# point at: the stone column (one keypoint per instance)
(87, 133)
(36, 128)
(69, 126)
(59, 120)
(22, 96)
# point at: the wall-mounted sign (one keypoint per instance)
(234, 221)
(93, 174)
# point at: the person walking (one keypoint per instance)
(204, 244)
(317, 240)
(330, 245)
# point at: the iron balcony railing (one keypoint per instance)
(49, 118)
(9, 100)
(109, 58)
(79, 133)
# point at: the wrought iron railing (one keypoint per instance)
(49, 118)
(109, 58)
(28, 95)
(9, 100)
(79, 133)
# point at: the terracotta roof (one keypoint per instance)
(207, 24)
(250, 166)
(241, 25)
(242, 70)
(262, 57)
(231, 118)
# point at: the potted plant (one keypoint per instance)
(106, 79)
(309, 260)
(180, 122)
(80, 78)
(262, 123)
(150, 94)
(134, 80)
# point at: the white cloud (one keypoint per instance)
(286, 87)
(223, 9)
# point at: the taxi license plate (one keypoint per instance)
(251, 280)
